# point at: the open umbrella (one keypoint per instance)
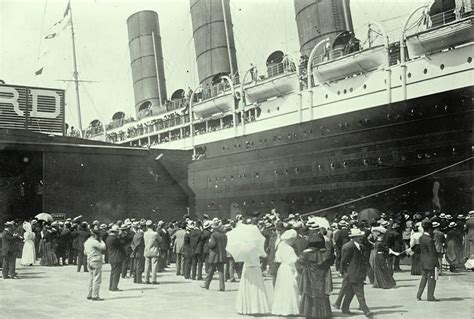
(369, 214)
(44, 216)
(245, 242)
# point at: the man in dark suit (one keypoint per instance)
(205, 236)
(80, 237)
(10, 240)
(138, 252)
(353, 267)
(196, 251)
(116, 249)
(429, 262)
(217, 254)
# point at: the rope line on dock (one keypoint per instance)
(389, 189)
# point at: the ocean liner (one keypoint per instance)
(344, 126)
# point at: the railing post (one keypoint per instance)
(309, 73)
(403, 44)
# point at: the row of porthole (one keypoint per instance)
(253, 202)
(332, 165)
(425, 71)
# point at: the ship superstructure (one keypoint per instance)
(341, 122)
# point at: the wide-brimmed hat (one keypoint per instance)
(344, 218)
(471, 213)
(95, 222)
(343, 223)
(312, 225)
(442, 215)
(452, 224)
(449, 217)
(356, 232)
(10, 223)
(435, 224)
(207, 224)
(290, 234)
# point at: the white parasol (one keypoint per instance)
(245, 242)
(44, 216)
(321, 221)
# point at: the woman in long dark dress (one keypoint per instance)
(415, 248)
(48, 257)
(382, 275)
(313, 265)
(454, 249)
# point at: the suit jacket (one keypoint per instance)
(8, 242)
(178, 237)
(138, 245)
(115, 245)
(428, 258)
(152, 243)
(82, 236)
(353, 263)
(205, 236)
(341, 238)
(195, 239)
(217, 245)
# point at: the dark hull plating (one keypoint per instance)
(318, 164)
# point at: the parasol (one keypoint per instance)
(321, 222)
(245, 242)
(44, 216)
(369, 214)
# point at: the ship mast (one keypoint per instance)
(75, 74)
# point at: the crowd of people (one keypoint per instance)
(297, 253)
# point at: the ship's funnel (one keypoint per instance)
(146, 58)
(213, 39)
(320, 19)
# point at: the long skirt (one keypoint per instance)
(28, 255)
(48, 257)
(319, 308)
(286, 296)
(252, 298)
(382, 276)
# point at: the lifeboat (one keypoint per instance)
(442, 37)
(272, 87)
(218, 104)
(357, 62)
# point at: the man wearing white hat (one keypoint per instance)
(440, 242)
(9, 241)
(116, 248)
(353, 267)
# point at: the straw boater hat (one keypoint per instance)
(449, 217)
(103, 226)
(436, 224)
(452, 224)
(207, 224)
(148, 223)
(442, 215)
(343, 223)
(461, 217)
(356, 232)
(114, 229)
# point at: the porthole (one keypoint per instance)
(320, 167)
(245, 176)
(425, 71)
(469, 60)
(345, 91)
(217, 178)
(297, 170)
(344, 163)
(409, 75)
(333, 166)
(365, 86)
(276, 172)
(253, 202)
(262, 202)
(441, 66)
(268, 110)
(272, 202)
(278, 108)
(326, 96)
(338, 92)
(366, 162)
(286, 171)
(257, 175)
(419, 156)
(351, 90)
(379, 160)
(209, 180)
(404, 158)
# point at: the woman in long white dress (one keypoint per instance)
(28, 255)
(286, 298)
(252, 297)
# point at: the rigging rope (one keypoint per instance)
(41, 31)
(390, 188)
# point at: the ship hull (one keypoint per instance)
(327, 162)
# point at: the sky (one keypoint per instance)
(260, 27)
